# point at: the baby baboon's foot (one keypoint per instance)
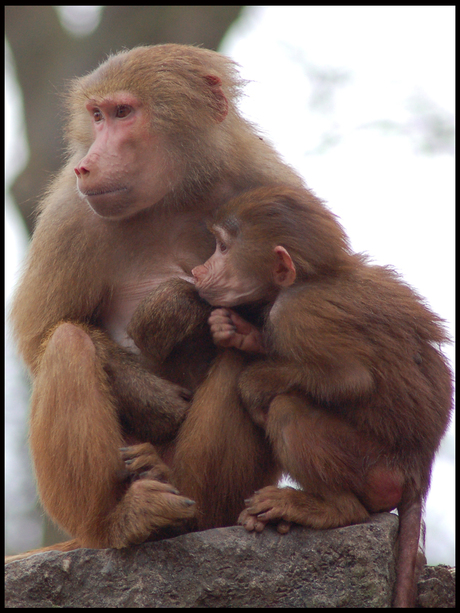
(268, 505)
(288, 505)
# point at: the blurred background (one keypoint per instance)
(360, 100)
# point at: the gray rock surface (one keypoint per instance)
(436, 588)
(226, 567)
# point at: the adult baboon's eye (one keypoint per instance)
(97, 115)
(123, 110)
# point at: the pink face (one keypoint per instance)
(126, 169)
(220, 283)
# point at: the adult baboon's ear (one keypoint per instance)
(220, 101)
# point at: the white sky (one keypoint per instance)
(396, 203)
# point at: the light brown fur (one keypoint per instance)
(87, 273)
